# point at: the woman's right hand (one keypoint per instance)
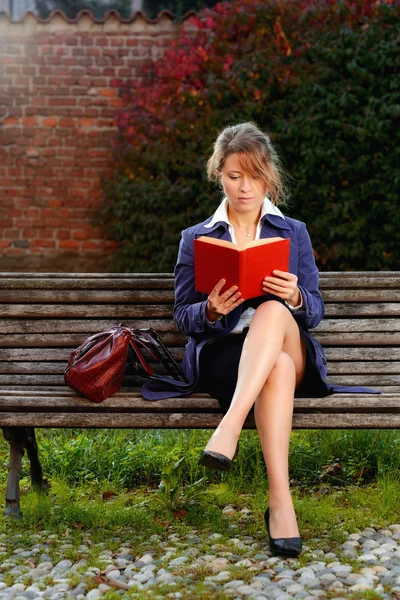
(222, 305)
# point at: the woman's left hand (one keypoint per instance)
(284, 285)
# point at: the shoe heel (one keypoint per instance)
(283, 546)
(215, 460)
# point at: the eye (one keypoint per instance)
(233, 177)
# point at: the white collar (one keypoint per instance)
(221, 213)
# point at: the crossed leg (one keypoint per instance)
(267, 377)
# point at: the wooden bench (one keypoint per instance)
(45, 316)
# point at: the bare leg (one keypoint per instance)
(273, 412)
(272, 330)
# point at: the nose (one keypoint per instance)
(245, 186)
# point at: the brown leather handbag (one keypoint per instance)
(96, 369)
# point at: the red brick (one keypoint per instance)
(6, 223)
(67, 122)
(79, 234)
(22, 223)
(11, 234)
(91, 245)
(54, 222)
(50, 122)
(63, 234)
(43, 243)
(69, 244)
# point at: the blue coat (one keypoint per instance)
(190, 306)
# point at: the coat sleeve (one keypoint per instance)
(190, 306)
(308, 282)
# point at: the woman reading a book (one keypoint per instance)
(254, 353)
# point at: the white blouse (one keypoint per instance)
(221, 214)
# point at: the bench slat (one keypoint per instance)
(134, 311)
(349, 367)
(360, 279)
(114, 311)
(89, 326)
(354, 309)
(191, 421)
(164, 296)
(333, 353)
(90, 296)
(133, 402)
(368, 379)
(73, 340)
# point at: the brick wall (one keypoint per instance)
(59, 92)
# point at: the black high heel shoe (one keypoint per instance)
(286, 546)
(215, 460)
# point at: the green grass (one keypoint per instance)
(133, 458)
(106, 482)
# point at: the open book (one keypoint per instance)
(215, 259)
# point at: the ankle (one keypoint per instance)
(232, 425)
(279, 501)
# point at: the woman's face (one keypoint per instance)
(245, 193)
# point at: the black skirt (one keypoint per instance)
(219, 363)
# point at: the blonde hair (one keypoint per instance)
(257, 156)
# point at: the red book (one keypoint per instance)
(245, 267)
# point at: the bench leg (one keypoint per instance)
(33, 455)
(20, 438)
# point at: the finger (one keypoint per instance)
(228, 302)
(217, 288)
(226, 295)
(284, 274)
(277, 291)
(235, 305)
(280, 282)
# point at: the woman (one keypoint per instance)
(259, 352)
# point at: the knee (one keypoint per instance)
(272, 307)
(284, 370)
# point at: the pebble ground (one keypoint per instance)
(40, 565)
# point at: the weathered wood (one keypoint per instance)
(90, 326)
(85, 283)
(355, 309)
(358, 339)
(73, 340)
(161, 296)
(100, 276)
(334, 353)
(368, 379)
(358, 368)
(362, 353)
(133, 402)
(358, 279)
(191, 421)
(89, 297)
(151, 311)
(358, 325)
(84, 326)
(116, 312)
(356, 295)
(34, 354)
(347, 367)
